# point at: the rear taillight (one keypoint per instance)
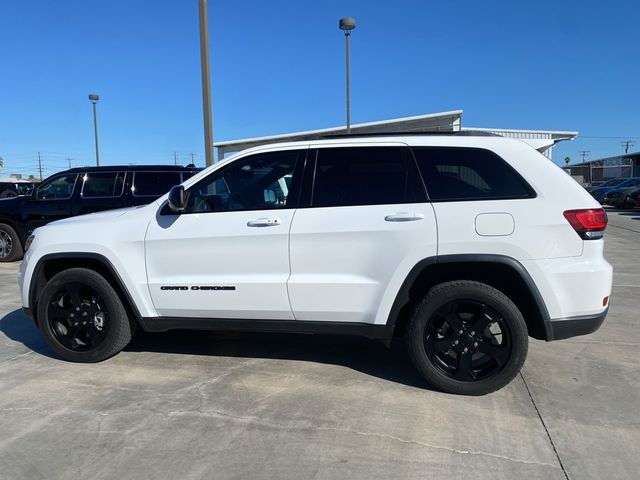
(589, 223)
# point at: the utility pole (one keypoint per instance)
(40, 165)
(175, 158)
(206, 85)
(585, 154)
(69, 160)
(192, 161)
(626, 144)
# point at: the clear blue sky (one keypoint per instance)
(279, 66)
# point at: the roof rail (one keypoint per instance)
(459, 133)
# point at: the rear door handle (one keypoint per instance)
(404, 217)
(264, 222)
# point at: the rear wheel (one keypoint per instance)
(467, 338)
(8, 194)
(10, 247)
(82, 317)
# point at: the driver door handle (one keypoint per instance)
(264, 222)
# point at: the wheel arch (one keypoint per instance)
(52, 264)
(499, 271)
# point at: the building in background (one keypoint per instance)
(595, 172)
(541, 140)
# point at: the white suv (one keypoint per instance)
(465, 245)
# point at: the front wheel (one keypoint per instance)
(10, 246)
(82, 318)
(468, 338)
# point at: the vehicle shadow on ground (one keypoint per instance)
(360, 354)
(628, 212)
(20, 328)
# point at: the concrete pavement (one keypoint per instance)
(206, 405)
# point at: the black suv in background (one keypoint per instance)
(78, 191)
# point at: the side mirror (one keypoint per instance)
(32, 193)
(177, 199)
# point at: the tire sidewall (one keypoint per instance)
(473, 291)
(118, 322)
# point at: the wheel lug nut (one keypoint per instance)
(465, 350)
(456, 342)
(77, 309)
(459, 332)
(475, 344)
(472, 333)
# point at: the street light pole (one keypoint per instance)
(93, 98)
(206, 86)
(346, 25)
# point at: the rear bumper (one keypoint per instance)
(561, 328)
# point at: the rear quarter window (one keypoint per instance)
(456, 174)
(148, 184)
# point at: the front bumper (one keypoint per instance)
(561, 328)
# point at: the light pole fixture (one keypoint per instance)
(346, 25)
(93, 98)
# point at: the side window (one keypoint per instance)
(452, 173)
(154, 184)
(102, 184)
(259, 182)
(361, 176)
(58, 188)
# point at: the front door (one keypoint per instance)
(227, 255)
(51, 201)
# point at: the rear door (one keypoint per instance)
(99, 191)
(367, 224)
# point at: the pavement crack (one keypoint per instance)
(440, 447)
(252, 420)
(544, 425)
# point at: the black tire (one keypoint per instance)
(10, 246)
(8, 194)
(95, 299)
(467, 363)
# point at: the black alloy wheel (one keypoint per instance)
(82, 316)
(466, 337)
(77, 317)
(468, 340)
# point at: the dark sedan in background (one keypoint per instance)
(600, 192)
(619, 197)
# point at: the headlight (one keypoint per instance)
(28, 243)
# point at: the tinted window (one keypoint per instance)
(102, 184)
(468, 174)
(57, 188)
(260, 182)
(154, 183)
(360, 176)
